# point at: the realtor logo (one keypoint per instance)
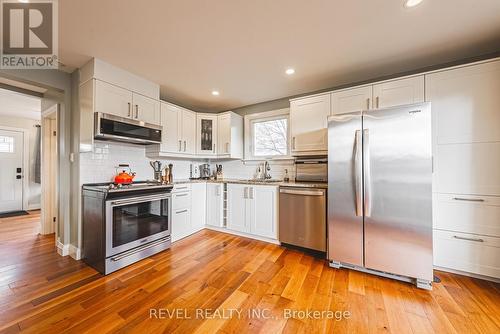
(29, 34)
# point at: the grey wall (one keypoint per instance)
(58, 84)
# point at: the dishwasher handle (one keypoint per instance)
(302, 192)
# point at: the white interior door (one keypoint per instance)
(11, 170)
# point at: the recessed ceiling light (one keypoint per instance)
(215, 93)
(412, 3)
(290, 71)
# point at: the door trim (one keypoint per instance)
(25, 162)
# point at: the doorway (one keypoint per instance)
(12, 154)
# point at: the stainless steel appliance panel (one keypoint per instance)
(302, 217)
(116, 128)
(397, 191)
(311, 170)
(136, 221)
(345, 191)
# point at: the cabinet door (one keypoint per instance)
(146, 109)
(206, 135)
(465, 103)
(214, 205)
(398, 92)
(308, 123)
(349, 100)
(198, 205)
(110, 99)
(224, 134)
(181, 224)
(264, 211)
(237, 207)
(170, 120)
(188, 132)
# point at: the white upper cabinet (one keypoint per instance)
(308, 124)
(188, 130)
(230, 135)
(465, 103)
(111, 99)
(145, 109)
(350, 100)
(398, 92)
(170, 120)
(206, 134)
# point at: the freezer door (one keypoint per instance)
(397, 162)
(345, 187)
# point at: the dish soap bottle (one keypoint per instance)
(286, 178)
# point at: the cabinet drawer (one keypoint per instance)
(181, 187)
(457, 251)
(467, 213)
(468, 169)
(181, 200)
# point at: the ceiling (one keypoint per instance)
(19, 105)
(242, 48)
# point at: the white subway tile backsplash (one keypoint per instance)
(99, 166)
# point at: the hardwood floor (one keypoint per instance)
(41, 292)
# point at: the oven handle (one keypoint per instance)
(139, 249)
(139, 199)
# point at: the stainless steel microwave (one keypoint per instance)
(116, 128)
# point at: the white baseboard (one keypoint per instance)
(62, 249)
(75, 252)
(242, 234)
(464, 273)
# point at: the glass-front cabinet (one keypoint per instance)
(206, 134)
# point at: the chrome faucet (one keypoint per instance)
(267, 169)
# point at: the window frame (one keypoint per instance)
(251, 119)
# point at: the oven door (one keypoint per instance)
(135, 221)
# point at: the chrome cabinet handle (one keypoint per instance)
(250, 191)
(468, 199)
(368, 103)
(180, 145)
(181, 195)
(136, 111)
(367, 165)
(182, 211)
(227, 147)
(293, 143)
(468, 239)
(129, 109)
(214, 149)
(377, 101)
(245, 192)
(184, 146)
(358, 186)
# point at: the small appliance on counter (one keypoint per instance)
(157, 170)
(218, 172)
(194, 171)
(205, 171)
(124, 177)
(124, 223)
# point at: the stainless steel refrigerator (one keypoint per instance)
(380, 192)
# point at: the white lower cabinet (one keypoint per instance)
(252, 209)
(215, 201)
(467, 252)
(188, 209)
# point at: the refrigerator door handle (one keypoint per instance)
(367, 174)
(358, 186)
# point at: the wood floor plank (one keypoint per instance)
(42, 292)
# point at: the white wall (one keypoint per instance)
(34, 189)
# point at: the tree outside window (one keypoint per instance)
(270, 137)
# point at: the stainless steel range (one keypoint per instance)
(123, 224)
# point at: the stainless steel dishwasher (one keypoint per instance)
(303, 217)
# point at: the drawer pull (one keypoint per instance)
(182, 211)
(468, 199)
(468, 239)
(181, 195)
